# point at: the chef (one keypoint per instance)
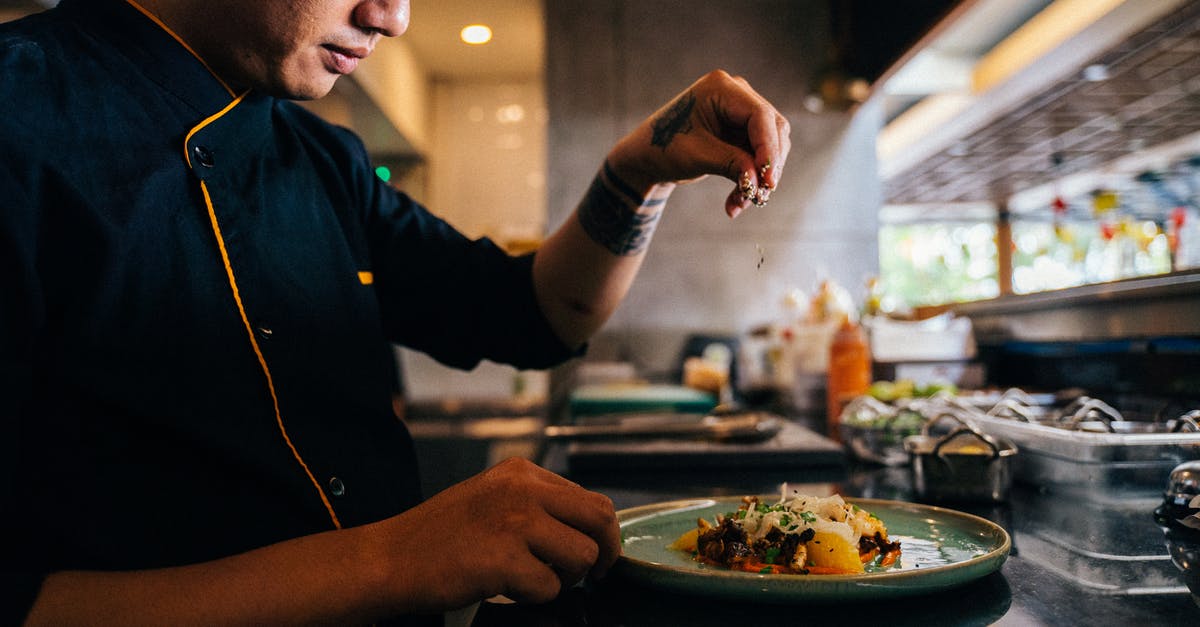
(200, 283)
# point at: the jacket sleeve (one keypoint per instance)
(457, 299)
(21, 315)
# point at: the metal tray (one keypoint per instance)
(1090, 461)
(1086, 447)
(1092, 446)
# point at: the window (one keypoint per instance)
(941, 254)
(1049, 255)
(934, 261)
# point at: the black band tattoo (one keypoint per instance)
(676, 120)
(610, 215)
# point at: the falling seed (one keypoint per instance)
(761, 256)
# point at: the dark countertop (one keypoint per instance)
(1076, 559)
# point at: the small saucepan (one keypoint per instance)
(965, 465)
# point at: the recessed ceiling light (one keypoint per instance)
(476, 34)
(510, 114)
(1095, 73)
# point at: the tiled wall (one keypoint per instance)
(488, 163)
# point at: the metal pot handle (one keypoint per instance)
(1018, 396)
(1085, 407)
(870, 405)
(925, 428)
(1190, 419)
(966, 429)
(1009, 408)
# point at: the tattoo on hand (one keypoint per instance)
(617, 218)
(676, 120)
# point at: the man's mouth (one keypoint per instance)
(341, 60)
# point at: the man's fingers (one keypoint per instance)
(590, 513)
(766, 130)
(568, 551)
(593, 515)
(532, 581)
(754, 172)
(783, 130)
(763, 134)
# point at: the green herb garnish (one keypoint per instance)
(771, 554)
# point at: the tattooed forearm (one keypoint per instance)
(616, 217)
(677, 119)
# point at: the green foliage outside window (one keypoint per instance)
(929, 263)
(933, 263)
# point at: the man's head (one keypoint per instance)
(288, 48)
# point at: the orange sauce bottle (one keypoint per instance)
(849, 372)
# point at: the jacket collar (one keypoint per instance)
(152, 47)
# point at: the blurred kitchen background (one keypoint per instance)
(1004, 191)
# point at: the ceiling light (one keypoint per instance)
(476, 34)
(1095, 72)
(510, 114)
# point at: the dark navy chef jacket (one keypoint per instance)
(197, 293)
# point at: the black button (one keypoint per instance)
(336, 487)
(264, 332)
(204, 156)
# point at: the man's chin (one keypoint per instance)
(307, 90)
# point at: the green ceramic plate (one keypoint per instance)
(941, 548)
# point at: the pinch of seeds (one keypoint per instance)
(761, 196)
(762, 175)
(747, 187)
